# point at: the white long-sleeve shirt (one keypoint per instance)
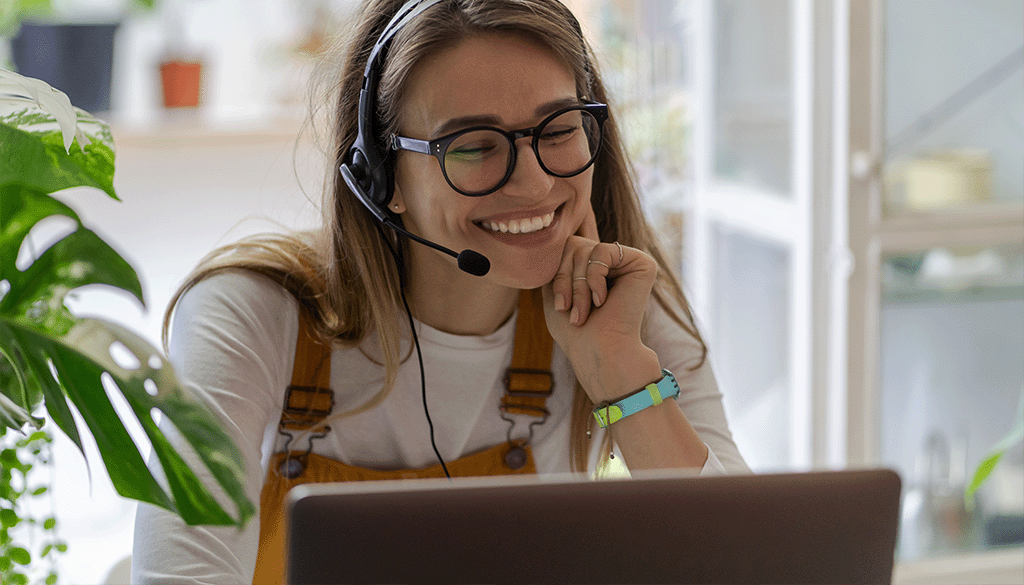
(233, 345)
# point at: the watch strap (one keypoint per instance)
(652, 394)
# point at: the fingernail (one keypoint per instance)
(597, 301)
(574, 316)
(559, 302)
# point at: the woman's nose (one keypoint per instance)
(528, 178)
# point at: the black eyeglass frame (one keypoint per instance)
(438, 147)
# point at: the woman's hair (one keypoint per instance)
(343, 273)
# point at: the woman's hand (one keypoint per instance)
(594, 307)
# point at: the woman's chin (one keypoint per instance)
(528, 277)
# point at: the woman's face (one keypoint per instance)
(510, 82)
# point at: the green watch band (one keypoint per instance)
(652, 394)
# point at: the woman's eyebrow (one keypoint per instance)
(453, 124)
(555, 105)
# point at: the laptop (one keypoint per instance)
(819, 527)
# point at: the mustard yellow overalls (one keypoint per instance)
(310, 400)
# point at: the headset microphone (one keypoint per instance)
(470, 261)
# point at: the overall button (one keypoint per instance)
(515, 459)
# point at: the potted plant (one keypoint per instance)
(181, 80)
(48, 356)
(181, 68)
(70, 45)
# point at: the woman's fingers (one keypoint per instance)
(562, 284)
(587, 271)
(581, 286)
(583, 279)
(570, 285)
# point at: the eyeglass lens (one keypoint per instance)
(477, 161)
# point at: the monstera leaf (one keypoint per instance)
(50, 357)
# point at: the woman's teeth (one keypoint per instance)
(521, 226)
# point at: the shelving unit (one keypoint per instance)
(857, 360)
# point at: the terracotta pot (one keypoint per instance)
(181, 83)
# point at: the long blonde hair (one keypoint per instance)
(343, 273)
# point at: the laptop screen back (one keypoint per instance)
(824, 527)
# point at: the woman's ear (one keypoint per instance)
(397, 204)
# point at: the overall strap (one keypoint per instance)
(309, 399)
(528, 380)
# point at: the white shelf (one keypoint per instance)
(194, 128)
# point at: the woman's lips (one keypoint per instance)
(528, 239)
(521, 226)
(524, 225)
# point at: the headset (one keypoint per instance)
(368, 172)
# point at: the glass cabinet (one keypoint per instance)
(857, 246)
(937, 226)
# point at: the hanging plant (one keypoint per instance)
(48, 356)
(21, 458)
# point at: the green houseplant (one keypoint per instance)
(49, 358)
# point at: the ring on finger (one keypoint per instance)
(620, 252)
(580, 278)
(599, 262)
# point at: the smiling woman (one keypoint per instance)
(570, 340)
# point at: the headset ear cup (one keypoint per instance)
(380, 176)
(361, 169)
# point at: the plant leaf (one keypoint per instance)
(38, 160)
(980, 475)
(20, 555)
(80, 358)
(14, 88)
(13, 415)
(23, 208)
(35, 367)
(78, 259)
(988, 464)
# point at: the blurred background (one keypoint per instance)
(840, 183)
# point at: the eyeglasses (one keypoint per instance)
(477, 161)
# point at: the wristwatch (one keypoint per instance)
(652, 394)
